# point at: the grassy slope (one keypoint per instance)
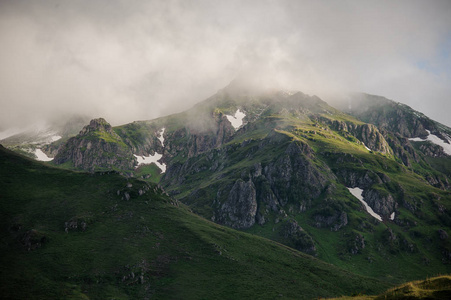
(372, 261)
(145, 247)
(438, 288)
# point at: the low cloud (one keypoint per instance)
(132, 60)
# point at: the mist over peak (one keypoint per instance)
(146, 59)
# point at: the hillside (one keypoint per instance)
(436, 288)
(356, 193)
(34, 141)
(77, 235)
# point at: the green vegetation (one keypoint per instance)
(148, 173)
(436, 288)
(296, 154)
(416, 251)
(100, 236)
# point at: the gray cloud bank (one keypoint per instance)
(132, 60)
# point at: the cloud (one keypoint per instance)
(130, 60)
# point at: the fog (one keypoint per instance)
(133, 60)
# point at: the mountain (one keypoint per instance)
(34, 141)
(96, 147)
(76, 235)
(405, 129)
(366, 189)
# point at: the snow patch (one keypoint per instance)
(357, 192)
(392, 216)
(417, 139)
(145, 160)
(367, 147)
(41, 155)
(237, 119)
(436, 140)
(161, 137)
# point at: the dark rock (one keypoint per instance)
(366, 133)
(96, 146)
(432, 150)
(240, 209)
(357, 244)
(260, 219)
(127, 196)
(75, 224)
(297, 237)
(328, 217)
(361, 179)
(382, 204)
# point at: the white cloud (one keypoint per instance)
(129, 60)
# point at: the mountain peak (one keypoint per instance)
(99, 124)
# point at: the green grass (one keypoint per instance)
(178, 254)
(144, 171)
(431, 288)
(421, 210)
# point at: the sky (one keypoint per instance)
(128, 60)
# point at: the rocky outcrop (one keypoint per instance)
(402, 148)
(389, 115)
(439, 182)
(372, 138)
(361, 178)
(432, 150)
(97, 146)
(382, 203)
(330, 218)
(357, 244)
(290, 181)
(75, 224)
(240, 209)
(294, 177)
(296, 237)
(192, 140)
(368, 134)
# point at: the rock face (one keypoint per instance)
(334, 219)
(389, 115)
(362, 179)
(372, 138)
(402, 148)
(366, 133)
(97, 146)
(382, 204)
(290, 182)
(240, 209)
(293, 177)
(297, 237)
(432, 150)
(357, 244)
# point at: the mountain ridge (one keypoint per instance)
(285, 174)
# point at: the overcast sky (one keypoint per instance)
(131, 60)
